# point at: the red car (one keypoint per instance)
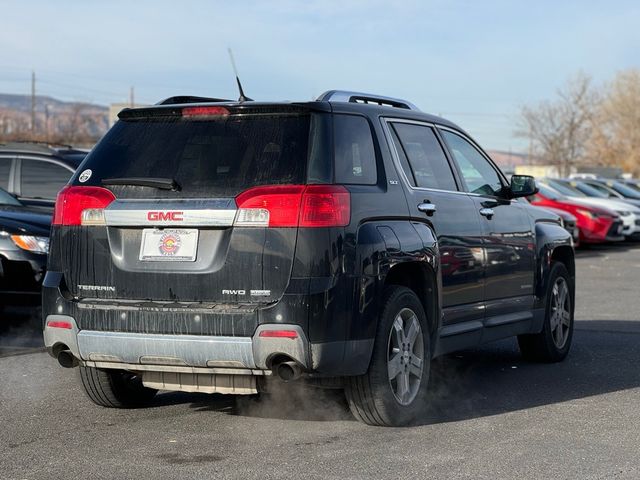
(596, 224)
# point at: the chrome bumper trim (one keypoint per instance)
(136, 367)
(187, 350)
(190, 212)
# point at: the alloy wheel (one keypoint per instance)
(405, 356)
(560, 320)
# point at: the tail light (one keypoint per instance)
(294, 206)
(81, 205)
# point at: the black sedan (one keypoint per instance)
(24, 244)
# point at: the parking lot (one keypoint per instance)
(493, 415)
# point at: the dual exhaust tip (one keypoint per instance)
(287, 371)
(66, 359)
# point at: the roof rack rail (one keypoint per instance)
(367, 98)
(190, 99)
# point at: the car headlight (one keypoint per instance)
(587, 213)
(624, 213)
(31, 243)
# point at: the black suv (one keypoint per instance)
(225, 246)
(35, 172)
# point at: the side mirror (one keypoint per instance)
(523, 186)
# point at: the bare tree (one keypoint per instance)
(71, 125)
(558, 130)
(615, 139)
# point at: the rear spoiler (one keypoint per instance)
(234, 108)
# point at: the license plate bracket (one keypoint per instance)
(169, 245)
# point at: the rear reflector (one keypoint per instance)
(294, 206)
(204, 111)
(81, 205)
(59, 324)
(279, 334)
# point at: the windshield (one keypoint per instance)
(633, 186)
(221, 156)
(549, 192)
(591, 190)
(625, 190)
(7, 199)
(565, 189)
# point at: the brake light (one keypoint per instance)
(325, 206)
(293, 206)
(81, 205)
(59, 324)
(279, 334)
(204, 111)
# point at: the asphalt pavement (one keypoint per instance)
(493, 415)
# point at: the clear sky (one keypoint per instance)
(474, 62)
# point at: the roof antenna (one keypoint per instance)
(242, 98)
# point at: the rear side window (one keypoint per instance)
(41, 179)
(222, 156)
(429, 167)
(5, 170)
(355, 156)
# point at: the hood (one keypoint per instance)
(24, 220)
(616, 205)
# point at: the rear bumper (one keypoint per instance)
(154, 352)
(207, 337)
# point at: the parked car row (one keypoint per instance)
(605, 210)
(35, 173)
(31, 175)
(24, 244)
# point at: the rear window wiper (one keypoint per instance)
(161, 183)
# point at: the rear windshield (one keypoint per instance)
(221, 157)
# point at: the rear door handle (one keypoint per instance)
(427, 207)
(487, 212)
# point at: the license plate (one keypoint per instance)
(169, 245)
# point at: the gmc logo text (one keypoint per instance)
(165, 216)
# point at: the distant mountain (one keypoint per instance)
(62, 121)
(22, 103)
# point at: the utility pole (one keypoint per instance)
(46, 122)
(33, 102)
(131, 98)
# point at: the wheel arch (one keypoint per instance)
(553, 244)
(421, 278)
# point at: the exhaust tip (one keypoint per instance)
(287, 371)
(67, 360)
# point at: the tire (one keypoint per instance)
(376, 399)
(552, 344)
(115, 389)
